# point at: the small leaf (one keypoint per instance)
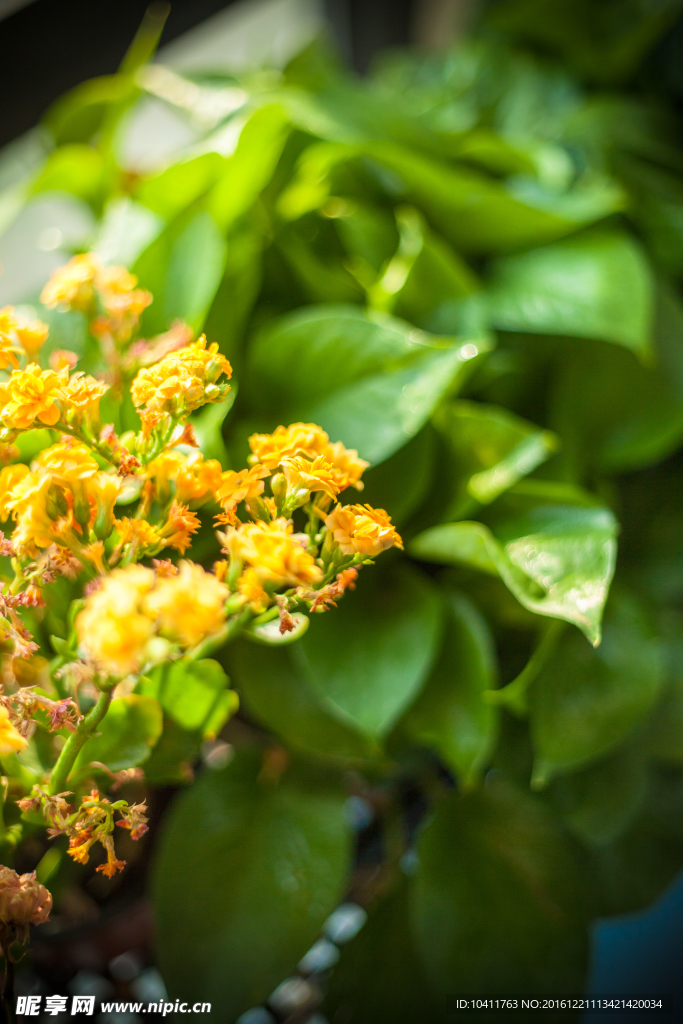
(247, 872)
(493, 448)
(557, 559)
(127, 734)
(594, 285)
(585, 702)
(451, 714)
(498, 902)
(371, 657)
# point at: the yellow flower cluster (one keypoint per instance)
(19, 336)
(362, 530)
(181, 382)
(278, 556)
(310, 442)
(46, 396)
(190, 479)
(135, 604)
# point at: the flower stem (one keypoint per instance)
(72, 747)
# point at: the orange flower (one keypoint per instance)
(362, 530)
(304, 478)
(19, 335)
(235, 487)
(180, 526)
(30, 395)
(285, 442)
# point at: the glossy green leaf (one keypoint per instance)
(557, 559)
(493, 450)
(584, 702)
(248, 870)
(278, 695)
(367, 378)
(395, 619)
(126, 229)
(480, 215)
(127, 734)
(195, 268)
(251, 166)
(451, 714)
(622, 415)
(498, 902)
(594, 285)
(193, 693)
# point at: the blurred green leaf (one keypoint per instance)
(400, 483)
(208, 428)
(498, 902)
(126, 736)
(594, 285)
(280, 696)
(125, 231)
(584, 702)
(451, 714)
(74, 168)
(557, 559)
(367, 378)
(493, 450)
(193, 693)
(174, 189)
(395, 619)
(77, 115)
(248, 870)
(195, 268)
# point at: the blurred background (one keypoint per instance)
(49, 47)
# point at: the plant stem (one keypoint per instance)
(72, 747)
(7, 995)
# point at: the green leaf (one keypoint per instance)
(247, 872)
(251, 166)
(208, 428)
(171, 762)
(177, 187)
(193, 693)
(493, 449)
(126, 229)
(195, 268)
(77, 115)
(595, 285)
(599, 803)
(400, 483)
(366, 378)
(480, 215)
(394, 619)
(451, 714)
(379, 976)
(584, 702)
(74, 168)
(127, 734)
(614, 414)
(557, 559)
(498, 901)
(281, 697)
(665, 735)
(269, 633)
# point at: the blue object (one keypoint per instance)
(640, 954)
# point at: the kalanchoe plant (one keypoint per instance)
(137, 612)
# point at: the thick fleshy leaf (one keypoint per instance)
(493, 450)
(557, 559)
(250, 866)
(498, 900)
(595, 285)
(394, 619)
(281, 697)
(193, 693)
(585, 702)
(126, 736)
(367, 378)
(451, 714)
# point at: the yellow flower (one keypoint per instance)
(139, 530)
(235, 487)
(348, 467)
(114, 627)
(11, 740)
(278, 557)
(10, 476)
(296, 439)
(180, 526)
(304, 478)
(62, 358)
(362, 530)
(103, 491)
(39, 522)
(19, 335)
(28, 395)
(72, 284)
(67, 461)
(183, 380)
(82, 392)
(190, 606)
(116, 280)
(194, 478)
(250, 587)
